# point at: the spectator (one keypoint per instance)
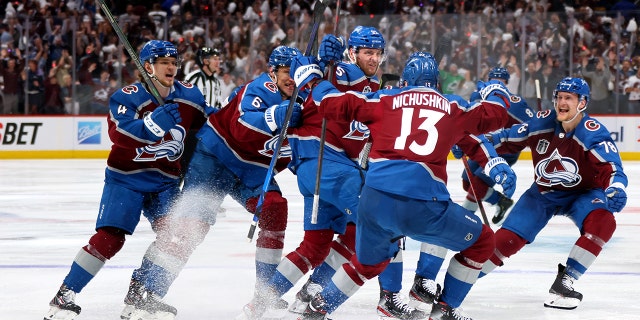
(227, 84)
(35, 86)
(11, 69)
(53, 100)
(102, 90)
(599, 75)
(451, 79)
(633, 89)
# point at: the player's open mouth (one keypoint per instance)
(563, 110)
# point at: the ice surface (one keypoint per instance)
(48, 210)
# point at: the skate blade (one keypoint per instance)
(56, 313)
(127, 311)
(560, 302)
(420, 305)
(298, 306)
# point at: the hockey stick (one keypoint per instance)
(323, 134)
(132, 53)
(318, 10)
(538, 97)
(473, 190)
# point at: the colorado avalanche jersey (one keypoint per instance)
(238, 134)
(343, 139)
(582, 159)
(412, 130)
(348, 76)
(518, 109)
(138, 159)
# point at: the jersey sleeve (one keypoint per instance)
(478, 148)
(258, 97)
(603, 153)
(128, 128)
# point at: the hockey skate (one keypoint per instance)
(306, 293)
(504, 204)
(63, 305)
(425, 291)
(135, 295)
(153, 308)
(315, 309)
(562, 294)
(392, 306)
(264, 307)
(443, 311)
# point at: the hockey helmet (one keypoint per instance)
(204, 53)
(499, 73)
(157, 48)
(366, 37)
(281, 56)
(573, 85)
(421, 69)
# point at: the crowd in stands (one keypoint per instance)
(63, 57)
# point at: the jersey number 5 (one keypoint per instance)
(431, 117)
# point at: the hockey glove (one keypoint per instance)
(616, 197)
(331, 49)
(162, 119)
(276, 115)
(305, 69)
(495, 90)
(457, 152)
(500, 172)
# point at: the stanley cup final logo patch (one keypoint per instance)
(542, 146)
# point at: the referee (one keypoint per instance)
(208, 59)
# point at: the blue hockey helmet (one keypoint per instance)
(157, 48)
(499, 73)
(366, 37)
(421, 69)
(281, 56)
(574, 85)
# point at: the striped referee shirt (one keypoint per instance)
(208, 85)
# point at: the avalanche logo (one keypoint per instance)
(89, 132)
(591, 125)
(167, 148)
(358, 131)
(270, 149)
(543, 114)
(557, 170)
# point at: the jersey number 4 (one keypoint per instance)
(431, 117)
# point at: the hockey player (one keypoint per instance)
(578, 173)
(206, 78)
(143, 167)
(519, 112)
(410, 148)
(365, 53)
(231, 157)
(342, 176)
(425, 290)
